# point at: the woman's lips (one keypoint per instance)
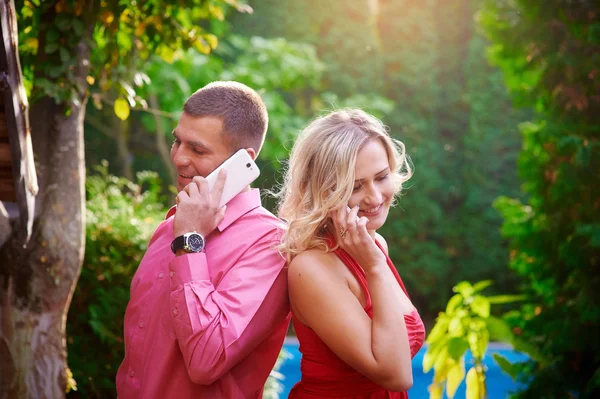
(371, 211)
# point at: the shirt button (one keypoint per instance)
(161, 275)
(174, 311)
(141, 325)
(172, 274)
(131, 373)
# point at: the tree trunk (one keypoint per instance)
(161, 143)
(37, 281)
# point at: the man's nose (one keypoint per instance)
(181, 157)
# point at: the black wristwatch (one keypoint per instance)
(189, 242)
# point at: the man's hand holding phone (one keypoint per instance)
(198, 206)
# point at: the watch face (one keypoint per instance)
(195, 242)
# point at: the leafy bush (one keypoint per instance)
(467, 324)
(121, 217)
(549, 56)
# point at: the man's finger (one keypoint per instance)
(201, 184)
(192, 188)
(217, 190)
(181, 196)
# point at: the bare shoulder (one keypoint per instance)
(314, 280)
(311, 264)
(382, 241)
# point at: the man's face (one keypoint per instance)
(198, 147)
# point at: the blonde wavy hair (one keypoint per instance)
(320, 174)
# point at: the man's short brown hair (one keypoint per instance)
(241, 109)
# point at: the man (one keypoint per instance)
(208, 310)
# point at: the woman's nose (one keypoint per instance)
(373, 196)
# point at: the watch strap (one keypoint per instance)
(177, 244)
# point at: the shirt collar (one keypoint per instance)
(236, 208)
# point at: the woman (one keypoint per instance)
(356, 326)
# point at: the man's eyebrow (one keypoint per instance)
(192, 143)
(376, 174)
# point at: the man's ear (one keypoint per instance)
(252, 153)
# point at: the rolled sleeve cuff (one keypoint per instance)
(187, 268)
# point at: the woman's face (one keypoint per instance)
(374, 187)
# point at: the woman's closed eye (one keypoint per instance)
(378, 178)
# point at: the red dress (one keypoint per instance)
(324, 375)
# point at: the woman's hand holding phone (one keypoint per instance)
(352, 235)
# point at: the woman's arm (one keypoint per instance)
(321, 298)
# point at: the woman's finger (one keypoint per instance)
(341, 221)
(351, 220)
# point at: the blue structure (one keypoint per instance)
(499, 384)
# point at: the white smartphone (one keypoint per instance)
(241, 171)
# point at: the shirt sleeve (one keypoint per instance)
(216, 327)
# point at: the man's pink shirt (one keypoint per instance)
(207, 325)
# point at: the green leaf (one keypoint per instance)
(212, 40)
(499, 330)
(167, 54)
(481, 285)
(122, 109)
(64, 55)
(62, 21)
(78, 27)
(432, 352)
(521, 345)
(439, 329)
(478, 342)
(441, 359)
(51, 47)
(441, 372)
(52, 35)
(428, 361)
(456, 327)
(455, 376)
(506, 366)
(457, 346)
(472, 381)
(481, 306)
(501, 299)
(436, 390)
(464, 288)
(453, 303)
(202, 46)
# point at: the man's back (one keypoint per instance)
(208, 324)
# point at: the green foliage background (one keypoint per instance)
(450, 108)
(551, 60)
(121, 217)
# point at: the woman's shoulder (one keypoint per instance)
(314, 266)
(311, 260)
